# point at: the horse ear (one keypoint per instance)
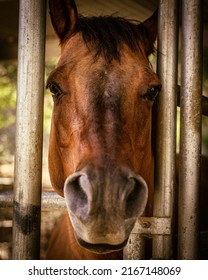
(150, 26)
(63, 17)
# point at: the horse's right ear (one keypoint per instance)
(150, 26)
(63, 17)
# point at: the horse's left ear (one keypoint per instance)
(150, 26)
(63, 17)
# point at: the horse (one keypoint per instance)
(101, 156)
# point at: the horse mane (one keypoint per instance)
(107, 34)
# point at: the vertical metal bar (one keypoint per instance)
(28, 160)
(166, 122)
(190, 144)
(135, 248)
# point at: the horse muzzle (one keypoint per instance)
(104, 205)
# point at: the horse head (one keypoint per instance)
(100, 152)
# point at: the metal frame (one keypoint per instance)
(27, 192)
(165, 143)
(49, 200)
(29, 130)
(165, 157)
(190, 144)
(161, 225)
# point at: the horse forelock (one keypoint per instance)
(107, 34)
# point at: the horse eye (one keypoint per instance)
(152, 93)
(54, 89)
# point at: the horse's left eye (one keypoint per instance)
(152, 93)
(54, 89)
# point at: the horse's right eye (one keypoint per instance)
(152, 93)
(54, 89)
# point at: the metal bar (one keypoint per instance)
(135, 248)
(152, 226)
(204, 102)
(50, 200)
(166, 123)
(190, 144)
(145, 227)
(28, 160)
(6, 199)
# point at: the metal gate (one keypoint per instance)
(28, 163)
(161, 225)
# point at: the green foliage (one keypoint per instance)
(8, 99)
(8, 74)
(8, 81)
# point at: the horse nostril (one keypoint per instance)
(78, 193)
(75, 195)
(137, 198)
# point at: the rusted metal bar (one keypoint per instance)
(29, 127)
(153, 226)
(166, 124)
(6, 199)
(190, 133)
(50, 200)
(146, 227)
(135, 248)
(204, 102)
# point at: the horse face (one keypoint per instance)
(100, 156)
